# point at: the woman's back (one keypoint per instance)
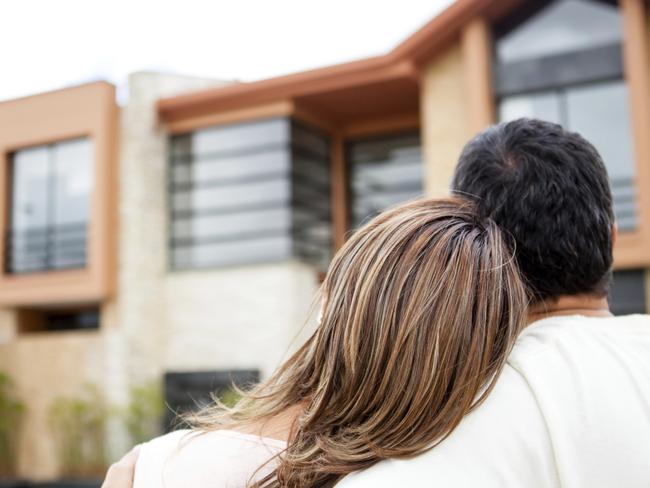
(220, 458)
(420, 308)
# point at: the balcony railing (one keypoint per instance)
(46, 248)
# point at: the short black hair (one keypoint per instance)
(548, 188)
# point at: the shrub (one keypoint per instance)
(11, 414)
(144, 413)
(79, 428)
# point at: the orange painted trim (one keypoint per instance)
(339, 192)
(358, 73)
(283, 108)
(476, 47)
(83, 111)
(633, 249)
(385, 125)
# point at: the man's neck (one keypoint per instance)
(587, 305)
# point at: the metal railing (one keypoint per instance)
(46, 248)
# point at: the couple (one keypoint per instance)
(463, 342)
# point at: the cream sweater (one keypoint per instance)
(570, 410)
(219, 459)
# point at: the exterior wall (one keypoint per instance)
(158, 320)
(444, 119)
(220, 318)
(45, 366)
(237, 318)
(91, 112)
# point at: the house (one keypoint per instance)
(188, 229)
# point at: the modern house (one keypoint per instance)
(189, 229)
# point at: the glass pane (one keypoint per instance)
(232, 138)
(52, 188)
(29, 210)
(231, 194)
(383, 172)
(601, 114)
(232, 225)
(242, 167)
(544, 106)
(312, 229)
(250, 192)
(627, 292)
(233, 197)
(73, 181)
(29, 206)
(304, 137)
(563, 26)
(231, 253)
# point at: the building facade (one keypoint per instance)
(188, 230)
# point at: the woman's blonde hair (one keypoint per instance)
(421, 308)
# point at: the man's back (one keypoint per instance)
(571, 410)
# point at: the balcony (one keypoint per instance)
(46, 248)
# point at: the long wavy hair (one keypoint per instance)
(421, 308)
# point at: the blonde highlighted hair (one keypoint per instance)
(421, 308)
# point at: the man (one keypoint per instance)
(572, 407)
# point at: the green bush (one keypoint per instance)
(79, 428)
(11, 413)
(144, 413)
(229, 397)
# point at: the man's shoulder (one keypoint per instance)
(576, 339)
(507, 430)
(551, 403)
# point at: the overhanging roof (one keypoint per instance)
(386, 75)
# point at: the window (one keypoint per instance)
(627, 294)
(50, 207)
(383, 172)
(249, 193)
(564, 65)
(189, 391)
(58, 319)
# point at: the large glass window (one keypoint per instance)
(383, 172)
(249, 193)
(51, 188)
(627, 294)
(563, 65)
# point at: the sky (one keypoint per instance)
(50, 44)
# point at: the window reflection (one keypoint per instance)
(249, 193)
(563, 26)
(581, 90)
(383, 172)
(50, 206)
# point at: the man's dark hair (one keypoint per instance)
(548, 188)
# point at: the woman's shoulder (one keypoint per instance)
(216, 458)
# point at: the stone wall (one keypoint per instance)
(444, 119)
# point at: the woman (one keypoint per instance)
(421, 307)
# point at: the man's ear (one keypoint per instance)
(614, 234)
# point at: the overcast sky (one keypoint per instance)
(49, 44)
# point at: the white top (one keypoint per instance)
(571, 410)
(218, 459)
